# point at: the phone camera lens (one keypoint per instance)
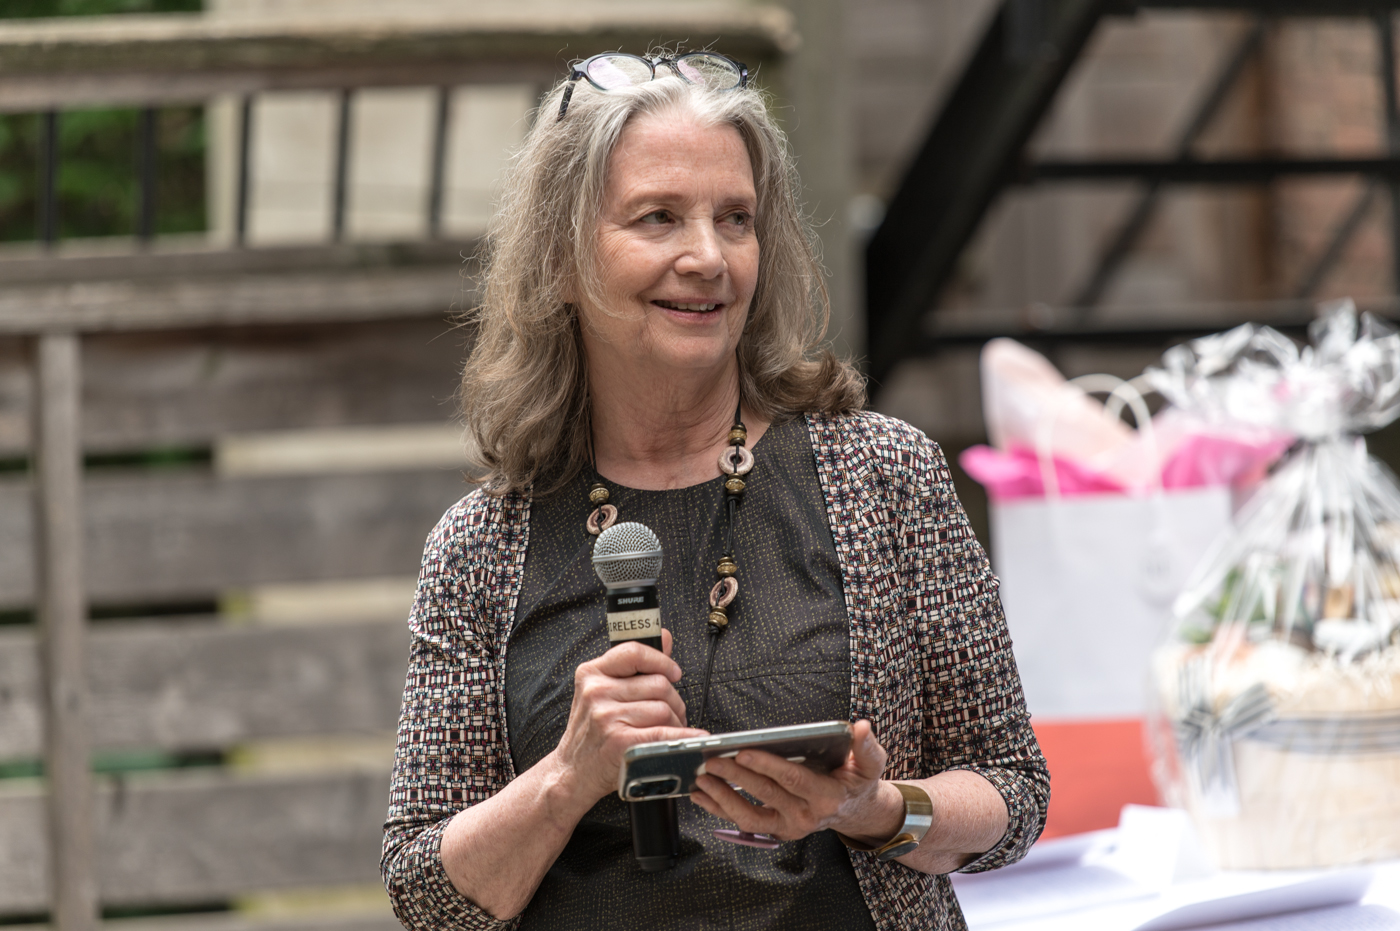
(653, 788)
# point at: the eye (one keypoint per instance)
(739, 218)
(657, 217)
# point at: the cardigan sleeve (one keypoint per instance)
(974, 710)
(450, 749)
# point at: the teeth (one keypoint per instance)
(675, 305)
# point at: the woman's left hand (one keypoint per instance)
(797, 801)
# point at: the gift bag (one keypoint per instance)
(1279, 684)
(1095, 526)
(1087, 584)
(1087, 581)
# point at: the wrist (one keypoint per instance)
(564, 790)
(879, 820)
(916, 822)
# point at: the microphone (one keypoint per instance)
(627, 558)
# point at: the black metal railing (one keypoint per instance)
(977, 148)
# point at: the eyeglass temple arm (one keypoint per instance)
(568, 95)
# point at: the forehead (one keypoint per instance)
(675, 153)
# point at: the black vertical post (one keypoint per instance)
(342, 166)
(146, 170)
(48, 177)
(1385, 28)
(245, 137)
(1025, 29)
(438, 180)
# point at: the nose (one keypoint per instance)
(701, 252)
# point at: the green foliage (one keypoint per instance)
(97, 185)
(28, 9)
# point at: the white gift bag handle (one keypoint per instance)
(1158, 575)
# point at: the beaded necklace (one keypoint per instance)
(735, 462)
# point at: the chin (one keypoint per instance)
(685, 355)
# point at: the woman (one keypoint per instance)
(649, 334)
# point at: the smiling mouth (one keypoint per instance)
(678, 305)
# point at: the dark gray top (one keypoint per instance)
(785, 659)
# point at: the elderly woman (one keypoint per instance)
(649, 333)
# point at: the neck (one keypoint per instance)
(667, 432)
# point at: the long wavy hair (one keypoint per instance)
(525, 385)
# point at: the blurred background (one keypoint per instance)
(232, 243)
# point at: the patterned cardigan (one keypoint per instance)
(931, 667)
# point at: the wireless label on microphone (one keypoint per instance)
(633, 614)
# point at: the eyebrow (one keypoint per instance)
(631, 204)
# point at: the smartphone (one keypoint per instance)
(667, 768)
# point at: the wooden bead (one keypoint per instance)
(736, 460)
(601, 519)
(719, 618)
(598, 494)
(724, 592)
(735, 485)
(727, 567)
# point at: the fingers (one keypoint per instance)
(632, 659)
(717, 798)
(867, 758)
(648, 689)
(651, 734)
(625, 697)
(795, 801)
(770, 779)
(631, 673)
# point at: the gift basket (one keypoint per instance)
(1279, 686)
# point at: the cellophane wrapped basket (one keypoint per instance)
(1279, 686)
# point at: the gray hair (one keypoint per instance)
(525, 386)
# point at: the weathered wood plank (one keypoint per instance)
(182, 535)
(51, 63)
(24, 868)
(27, 93)
(101, 260)
(144, 390)
(205, 836)
(58, 545)
(201, 685)
(126, 305)
(21, 707)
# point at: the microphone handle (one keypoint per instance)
(656, 833)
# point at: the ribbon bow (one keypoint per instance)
(1206, 738)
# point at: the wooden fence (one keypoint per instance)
(110, 355)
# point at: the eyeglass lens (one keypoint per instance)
(609, 72)
(710, 70)
(613, 71)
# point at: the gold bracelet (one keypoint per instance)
(918, 818)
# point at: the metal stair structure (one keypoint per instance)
(976, 149)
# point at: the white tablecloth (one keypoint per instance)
(1097, 882)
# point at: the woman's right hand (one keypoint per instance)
(625, 697)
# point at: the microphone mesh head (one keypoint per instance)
(627, 553)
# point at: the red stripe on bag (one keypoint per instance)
(1096, 767)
